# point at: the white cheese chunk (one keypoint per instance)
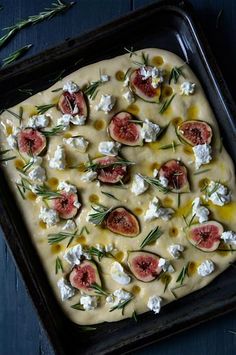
(59, 159)
(66, 290)
(71, 87)
(149, 131)
(106, 103)
(229, 237)
(104, 78)
(165, 265)
(89, 303)
(79, 143)
(65, 186)
(156, 211)
(163, 181)
(129, 96)
(154, 304)
(175, 250)
(187, 88)
(64, 121)
(89, 176)
(69, 225)
(37, 173)
(78, 120)
(206, 268)
(118, 274)
(202, 153)
(39, 121)
(49, 216)
(126, 81)
(139, 185)
(12, 141)
(118, 296)
(218, 193)
(74, 255)
(109, 148)
(109, 247)
(200, 211)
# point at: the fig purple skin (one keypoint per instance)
(64, 205)
(195, 132)
(144, 265)
(84, 275)
(31, 141)
(123, 131)
(205, 236)
(176, 174)
(123, 222)
(73, 104)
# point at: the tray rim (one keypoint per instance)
(184, 9)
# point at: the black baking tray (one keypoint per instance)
(169, 25)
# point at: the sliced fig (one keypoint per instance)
(195, 132)
(143, 88)
(31, 141)
(110, 174)
(123, 131)
(176, 174)
(73, 104)
(144, 265)
(84, 275)
(66, 205)
(205, 236)
(123, 222)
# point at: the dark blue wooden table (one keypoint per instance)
(20, 331)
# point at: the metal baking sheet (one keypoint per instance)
(170, 25)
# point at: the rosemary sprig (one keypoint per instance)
(23, 186)
(54, 131)
(108, 194)
(56, 90)
(84, 228)
(144, 60)
(183, 273)
(152, 236)
(99, 215)
(78, 307)
(55, 238)
(58, 77)
(134, 316)
(167, 280)
(208, 192)
(201, 172)
(45, 193)
(16, 55)
(175, 73)
(27, 166)
(166, 104)
(176, 288)
(26, 91)
(58, 265)
(44, 108)
(178, 200)
(92, 89)
(3, 158)
(90, 165)
(130, 51)
(155, 183)
(121, 305)
(14, 114)
(99, 290)
(57, 7)
(188, 224)
(172, 146)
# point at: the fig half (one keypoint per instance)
(109, 173)
(123, 222)
(84, 275)
(31, 141)
(123, 130)
(195, 132)
(143, 88)
(205, 236)
(73, 104)
(144, 265)
(176, 174)
(66, 204)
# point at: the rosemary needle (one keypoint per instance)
(57, 7)
(16, 55)
(152, 236)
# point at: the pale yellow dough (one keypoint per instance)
(186, 107)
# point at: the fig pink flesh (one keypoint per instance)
(196, 132)
(205, 236)
(31, 141)
(64, 205)
(176, 174)
(122, 222)
(82, 276)
(110, 174)
(73, 104)
(124, 131)
(143, 85)
(144, 265)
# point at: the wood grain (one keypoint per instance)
(20, 332)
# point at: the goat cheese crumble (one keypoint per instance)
(109, 148)
(39, 121)
(118, 296)
(187, 88)
(202, 153)
(104, 78)
(89, 303)
(65, 186)
(229, 237)
(12, 141)
(73, 255)
(79, 143)
(175, 250)
(37, 173)
(206, 268)
(165, 265)
(118, 274)
(64, 121)
(66, 290)
(59, 159)
(106, 103)
(71, 87)
(154, 73)
(154, 304)
(69, 225)
(49, 216)
(129, 96)
(149, 131)
(139, 185)
(156, 211)
(78, 120)
(200, 211)
(88, 176)
(217, 193)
